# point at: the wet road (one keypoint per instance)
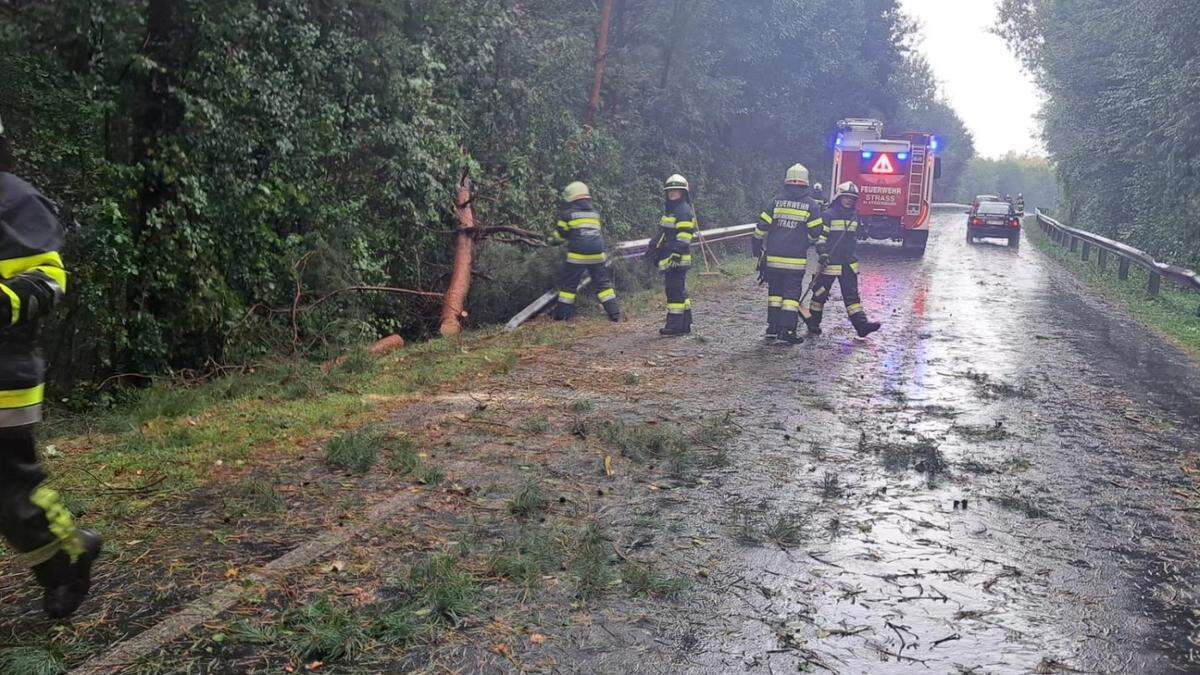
(991, 484)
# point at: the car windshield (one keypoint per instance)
(994, 208)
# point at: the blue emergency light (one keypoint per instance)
(867, 154)
(934, 143)
(902, 156)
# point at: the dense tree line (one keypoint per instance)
(1121, 123)
(1011, 175)
(226, 161)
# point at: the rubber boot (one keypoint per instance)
(614, 310)
(67, 583)
(772, 323)
(564, 311)
(863, 326)
(674, 326)
(687, 321)
(790, 337)
(813, 324)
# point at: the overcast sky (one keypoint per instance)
(970, 62)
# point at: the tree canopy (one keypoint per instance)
(1121, 122)
(228, 160)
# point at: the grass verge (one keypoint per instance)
(1173, 314)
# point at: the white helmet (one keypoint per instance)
(847, 189)
(677, 182)
(576, 191)
(797, 175)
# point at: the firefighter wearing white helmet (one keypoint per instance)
(673, 252)
(836, 246)
(781, 241)
(579, 227)
(33, 518)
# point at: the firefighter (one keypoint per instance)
(579, 228)
(781, 241)
(673, 247)
(1020, 203)
(33, 518)
(835, 245)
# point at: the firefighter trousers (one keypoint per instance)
(569, 279)
(848, 281)
(23, 523)
(679, 305)
(783, 302)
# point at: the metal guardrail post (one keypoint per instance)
(1155, 283)
(1102, 259)
(1123, 269)
(1072, 243)
(1087, 251)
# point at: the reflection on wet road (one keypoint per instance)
(990, 484)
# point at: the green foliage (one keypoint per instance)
(1121, 124)
(325, 631)
(1011, 175)
(441, 588)
(31, 661)
(261, 150)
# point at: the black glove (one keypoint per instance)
(823, 259)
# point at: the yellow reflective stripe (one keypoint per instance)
(676, 307)
(586, 257)
(759, 234)
(766, 218)
(774, 301)
(687, 304)
(856, 308)
(584, 223)
(50, 264)
(813, 224)
(832, 270)
(62, 525)
(854, 266)
(791, 305)
(21, 398)
(839, 224)
(798, 213)
(15, 301)
(668, 219)
(684, 236)
(686, 225)
(606, 294)
(566, 298)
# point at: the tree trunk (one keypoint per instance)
(601, 56)
(455, 302)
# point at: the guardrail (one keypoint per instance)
(1127, 256)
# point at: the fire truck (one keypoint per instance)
(894, 177)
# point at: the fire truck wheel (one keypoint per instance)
(1014, 240)
(915, 242)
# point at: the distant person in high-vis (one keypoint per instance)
(781, 241)
(673, 247)
(33, 518)
(580, 228)
(837, 246)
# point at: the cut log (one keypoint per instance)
(455, 302)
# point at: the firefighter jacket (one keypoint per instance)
(32, 278)
(579, 226)
(786, 229)
(675, 233)
(839, 238)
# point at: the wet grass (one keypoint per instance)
(536, 425)
(527, 559)
(760, 526)
(529, 501)
(1172, 314)
(922, 456)
(31, 660)
(680, 454)
(1023, 504)
(831, 486)
(591, 565)
(322, 630)
(641, 581)
(995, 432)
(357, 450)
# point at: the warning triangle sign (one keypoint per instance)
(883, 165)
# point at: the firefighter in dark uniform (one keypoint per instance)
(1020, 204)
(836, 246)
(579, 227)
(33, 518)
(780, 243)
(673, 247)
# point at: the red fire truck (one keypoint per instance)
(895, 180)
